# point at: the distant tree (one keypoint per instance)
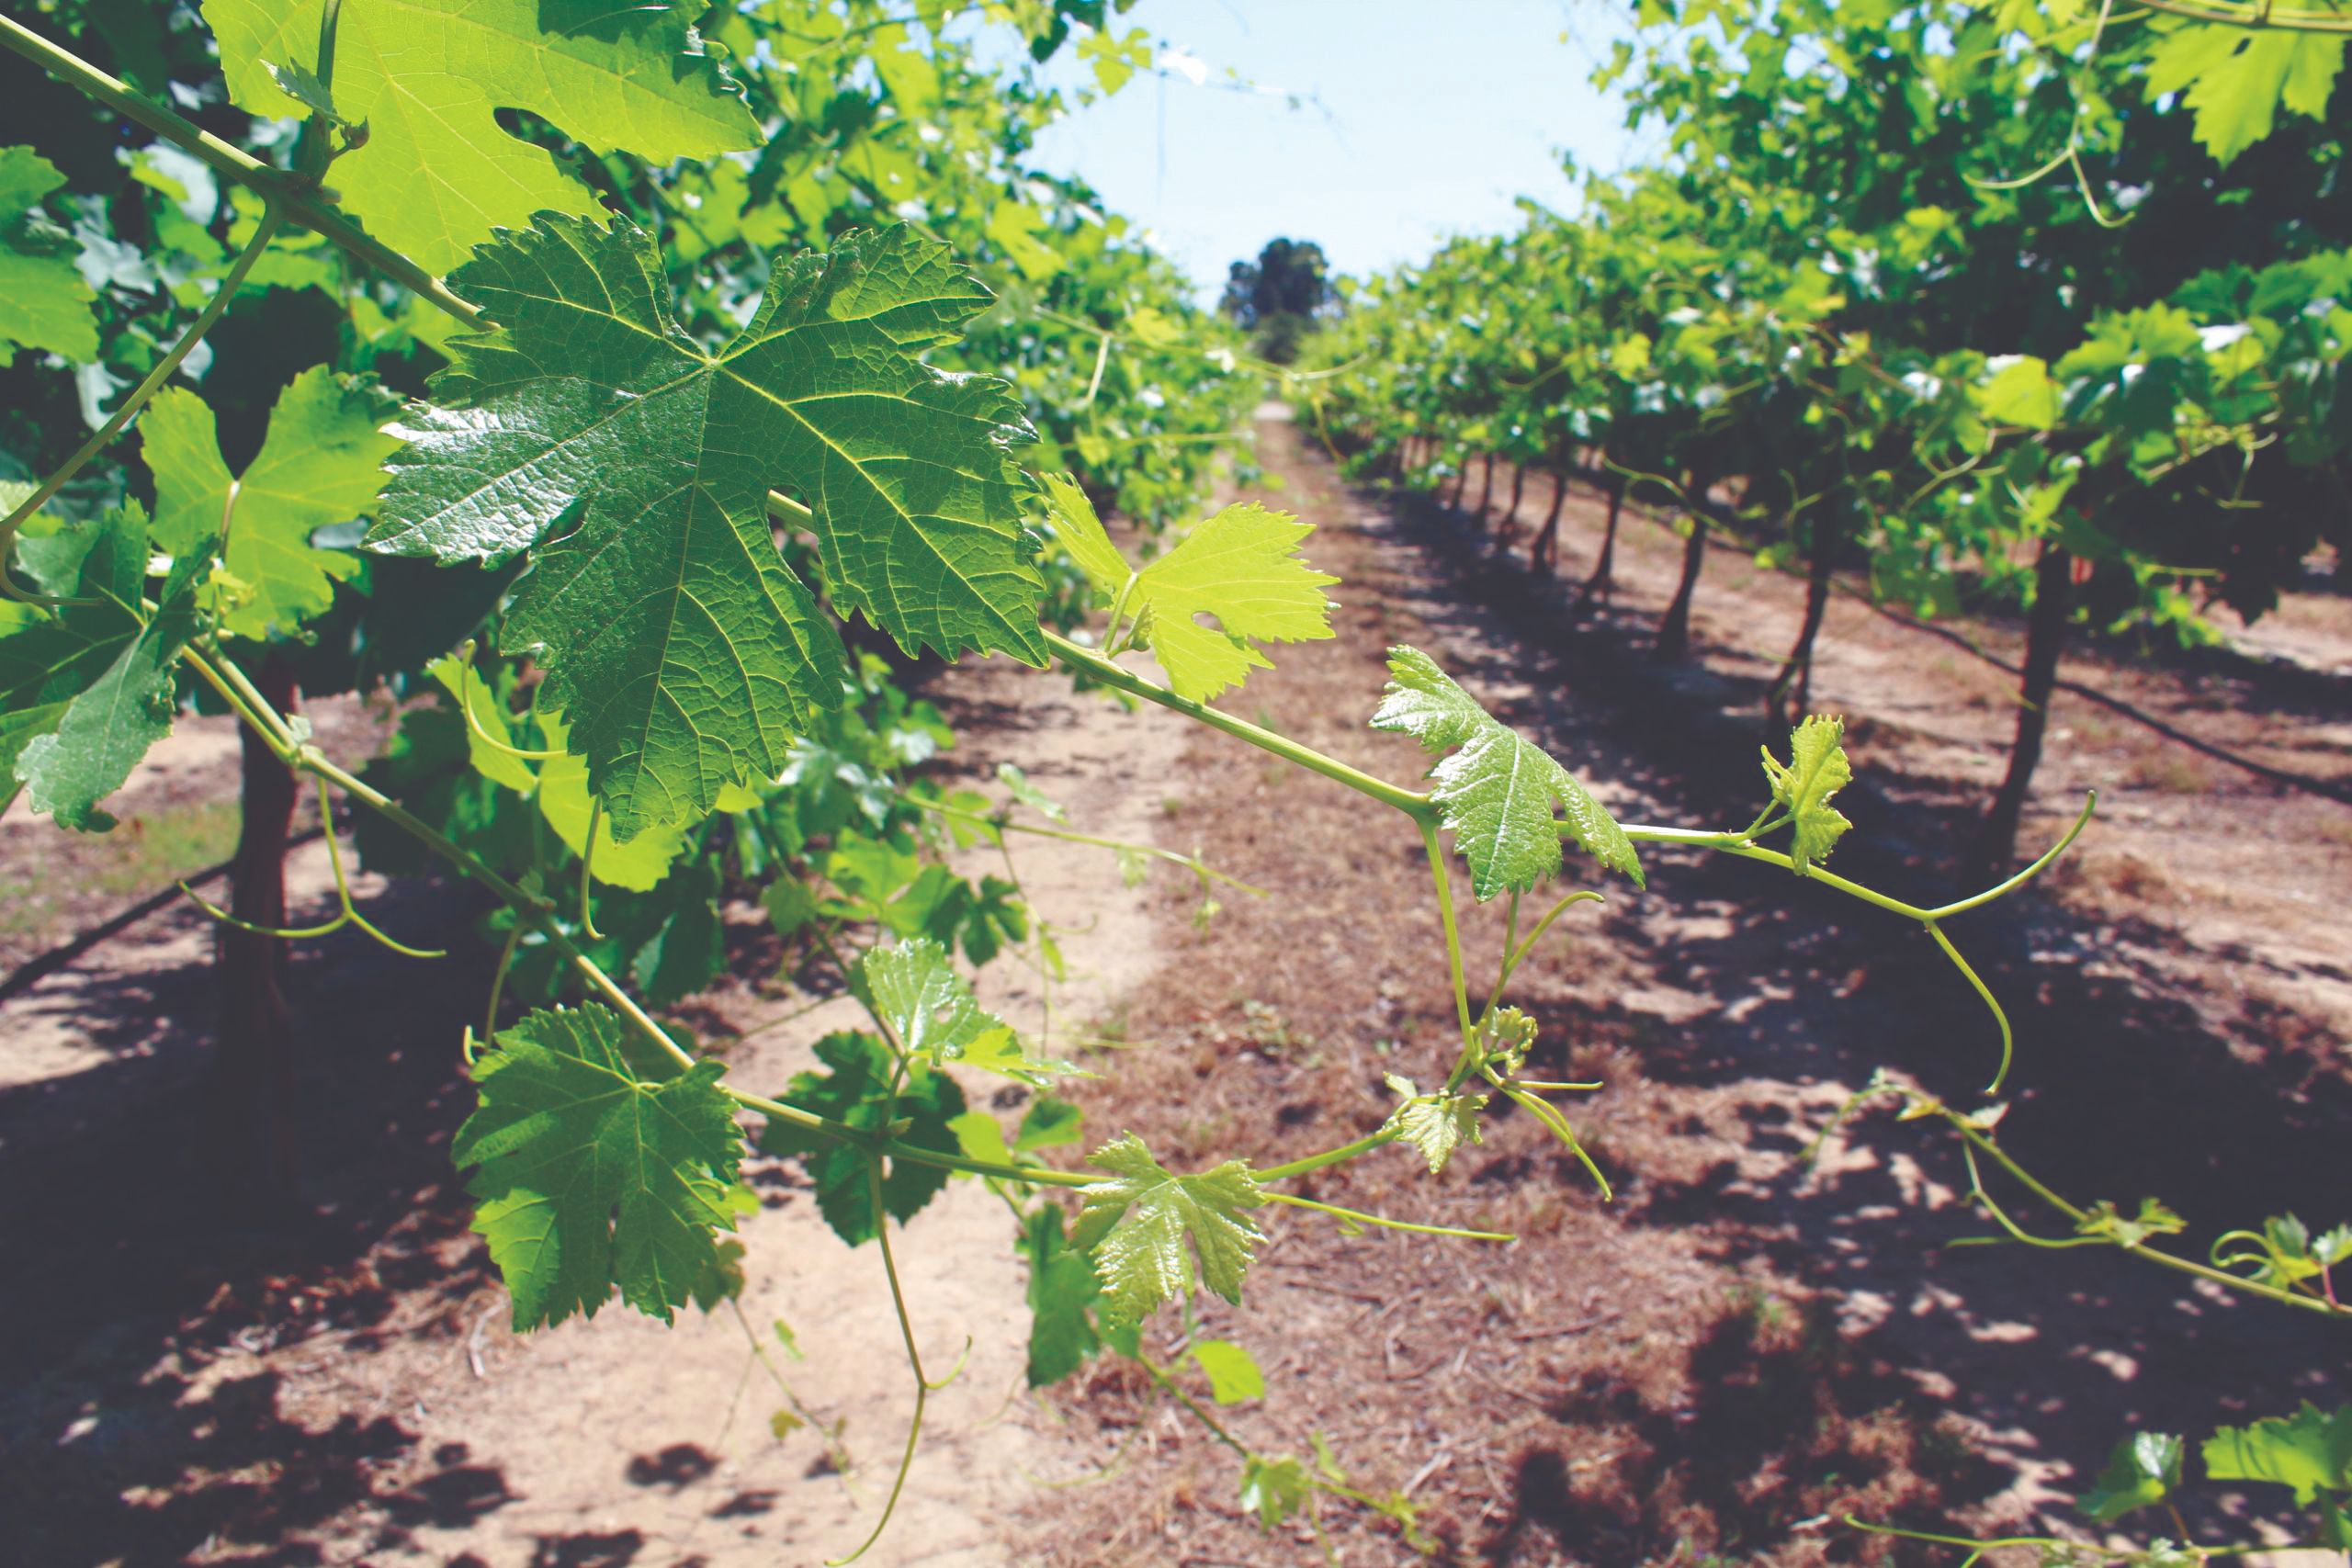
(1280, 296)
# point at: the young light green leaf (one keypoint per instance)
(1496, 792)
(915, 988)
(1816, 769)
(1135, 1225)
(1273, 1489)
(684, 650)
(2238, 78)
(321, 463)
(601, 1162)
(636, 866)
(485, 716)
(1232, 1371)
(982, 1136)
(2309, 1451)
(44, 303)
(1436, 1125)
(1079, 529)
(48, 658)
(106, 729)
(428, 77)
(855, 1089)
(2143, 1471)
(1242, 566)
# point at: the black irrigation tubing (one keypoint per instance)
(33, 971)
(1724, 517)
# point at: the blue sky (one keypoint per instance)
(1423, 119)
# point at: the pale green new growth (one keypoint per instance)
(44, 303)
(1232, 1371)
(1240, 566)
(2238, 78)
(914, 986)
(1137, 1221)
(639, 864)
(1496, 791)
(603, 1164)
(685, 651)
(437, 174)
(1079, 530)
(1816, 769)
(322, 463)
(1436, 1125)
(2310, 1451)
(1273, 1489)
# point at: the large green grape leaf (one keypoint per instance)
(2238, 78)
(2310, 1451)
(1136, 1223)
(44, 303)
(602, 1163)
(855, 1089)
(437, 174)
(49, 658)
(107, 728)
(1816, 769)
(321, 463)
(1240, 566)
(684, 651)
(1496, 792)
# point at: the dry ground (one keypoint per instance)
(1714, 1367)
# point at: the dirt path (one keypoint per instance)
(352, 1392)
(1715, 1367)
(1740, 1349)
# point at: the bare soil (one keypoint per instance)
(1718, 1365)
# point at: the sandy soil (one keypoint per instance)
(1715, 1367)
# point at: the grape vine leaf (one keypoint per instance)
(44, 303)
(1078, 528)
(106, 729)
(321, 463)
(1495, 792)
(1066, 1327)
(1273, 1489)
(2238, 78)
(1436, 1125)
(437, 174)
(684, 650)
(485, 719)
(2309, 1451)
(565, 801)
(1232, 1371)
(1135, 1223)
(1240, 566)
(48, 658)
(600, 1163)
(914, 989)
(855, 1089)
(1816, 769)
(2143, 1471)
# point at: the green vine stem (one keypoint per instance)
(1739, 844)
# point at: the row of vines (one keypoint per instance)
(1989, 306)
(634, 402)
(1997, 306)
